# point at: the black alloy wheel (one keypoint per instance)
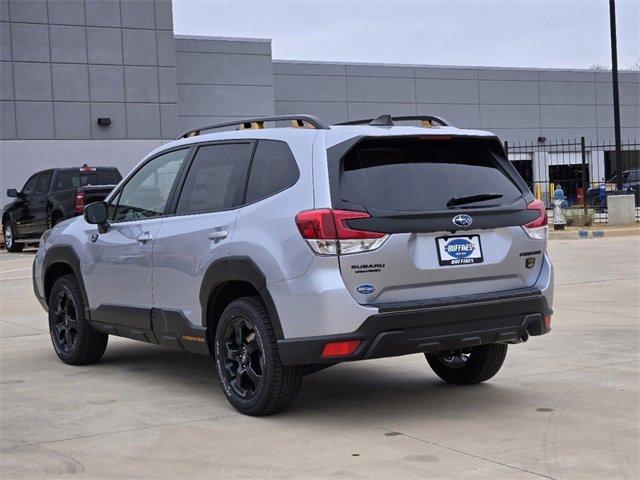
(248, 363)
(74, 339)
(243, 357)
(470, 365)
(455, 359)
(64, 331)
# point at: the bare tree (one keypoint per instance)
(634, 67)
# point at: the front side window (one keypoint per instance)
(273, 169)
(30, 186)
(216, 179)
(146, 193)
(44, 180)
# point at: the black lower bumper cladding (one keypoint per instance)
(446, 324)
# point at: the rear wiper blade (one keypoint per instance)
(473, 198)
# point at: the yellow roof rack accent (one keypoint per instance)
(307, 121)
(250, 125)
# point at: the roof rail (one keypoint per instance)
(297, 121)
(387, 121)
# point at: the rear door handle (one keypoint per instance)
(145, 237)
(218, 234)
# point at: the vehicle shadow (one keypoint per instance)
(374, 390)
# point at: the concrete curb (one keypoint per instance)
(585, 234)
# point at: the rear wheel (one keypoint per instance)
(247, 361)
(468, 366)
(9, 232)
(74, 340)
(56, 220)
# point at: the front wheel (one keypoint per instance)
(9, 232)
(74, 340)
(470, 365)
(248, 365)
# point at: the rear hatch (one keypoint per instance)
(453, 209)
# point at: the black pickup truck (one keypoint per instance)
(51, 196)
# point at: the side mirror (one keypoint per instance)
(96, 214)
(12, 192)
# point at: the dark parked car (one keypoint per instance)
(597, 196)
(51, 196)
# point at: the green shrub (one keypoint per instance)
(576, 217)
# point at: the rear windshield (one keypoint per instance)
(418, 175)
(75, 179)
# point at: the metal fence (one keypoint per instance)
(586, 171)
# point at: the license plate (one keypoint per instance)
(459, 250)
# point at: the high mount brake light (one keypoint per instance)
(433, 138)
(328, 233)
(537, 228)
(79, 202)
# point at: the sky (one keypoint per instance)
(507, 33)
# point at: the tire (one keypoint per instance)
(469, 366)
(56, 220)
(318, 367)
(8, 230)
(74, 340)
(248, 365)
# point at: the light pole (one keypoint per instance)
(616, 92)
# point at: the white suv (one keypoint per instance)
(284, 250)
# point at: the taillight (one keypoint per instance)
(537, 228)
(328, 233)
(79, 202)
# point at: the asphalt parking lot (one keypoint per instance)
(566, 405)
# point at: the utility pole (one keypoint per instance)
(616, 92)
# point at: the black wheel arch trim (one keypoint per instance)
(237, 269)
(64, 254)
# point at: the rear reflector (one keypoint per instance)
(340, 349)
(537, 228)
(547, 321)
(328, 233)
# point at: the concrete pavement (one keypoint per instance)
(564, 406)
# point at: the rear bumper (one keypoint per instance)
(449, 324)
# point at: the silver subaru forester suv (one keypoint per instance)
(281, 251)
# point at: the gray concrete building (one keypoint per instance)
(66, 63)
(223, 79)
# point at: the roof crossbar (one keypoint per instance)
(258, 122)
(427, 121)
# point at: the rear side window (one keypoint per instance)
(273, 169)
(216, 178)
(420, 175)
(109, 176)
